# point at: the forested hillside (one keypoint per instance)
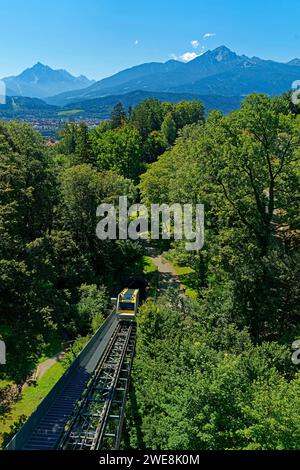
(49, 249)
(214, 372)
(56, 276)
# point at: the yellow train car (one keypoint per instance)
(128, 303)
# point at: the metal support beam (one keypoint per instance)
(97, 420)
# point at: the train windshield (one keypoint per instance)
(126, 306)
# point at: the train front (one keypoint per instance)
(128, 303)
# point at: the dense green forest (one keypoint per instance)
(216, 373)
(213, 372)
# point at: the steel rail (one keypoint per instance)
(88, 430)
(102, 425)
(82, 400)
(118, 434)
(91, 387)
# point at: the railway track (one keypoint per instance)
(97, 420)
(86, 407)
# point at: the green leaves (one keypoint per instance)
(244, 168)
(49, 246)
(212, 375)
(201, 387)
(169, 129)
(119, 150)
(92, 307)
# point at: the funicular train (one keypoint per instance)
(128, 303)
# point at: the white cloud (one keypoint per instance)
(188, 56)
(209, 35)
(195, 43)
(136, 42)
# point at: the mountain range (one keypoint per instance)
(217, 72)
(220, 78)
(41, 81)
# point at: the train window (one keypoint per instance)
(126, 306)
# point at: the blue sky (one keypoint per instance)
(101, 37)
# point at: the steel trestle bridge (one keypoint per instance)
(97, 423)
(85, 409)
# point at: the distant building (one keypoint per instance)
(51, 142)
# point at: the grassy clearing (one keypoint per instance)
(148, 266)
(5, 383)
(187, 278)
(53, 347)
(143, 266)
(30, 399)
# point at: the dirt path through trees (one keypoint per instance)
(46, 365)
(168, 275)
